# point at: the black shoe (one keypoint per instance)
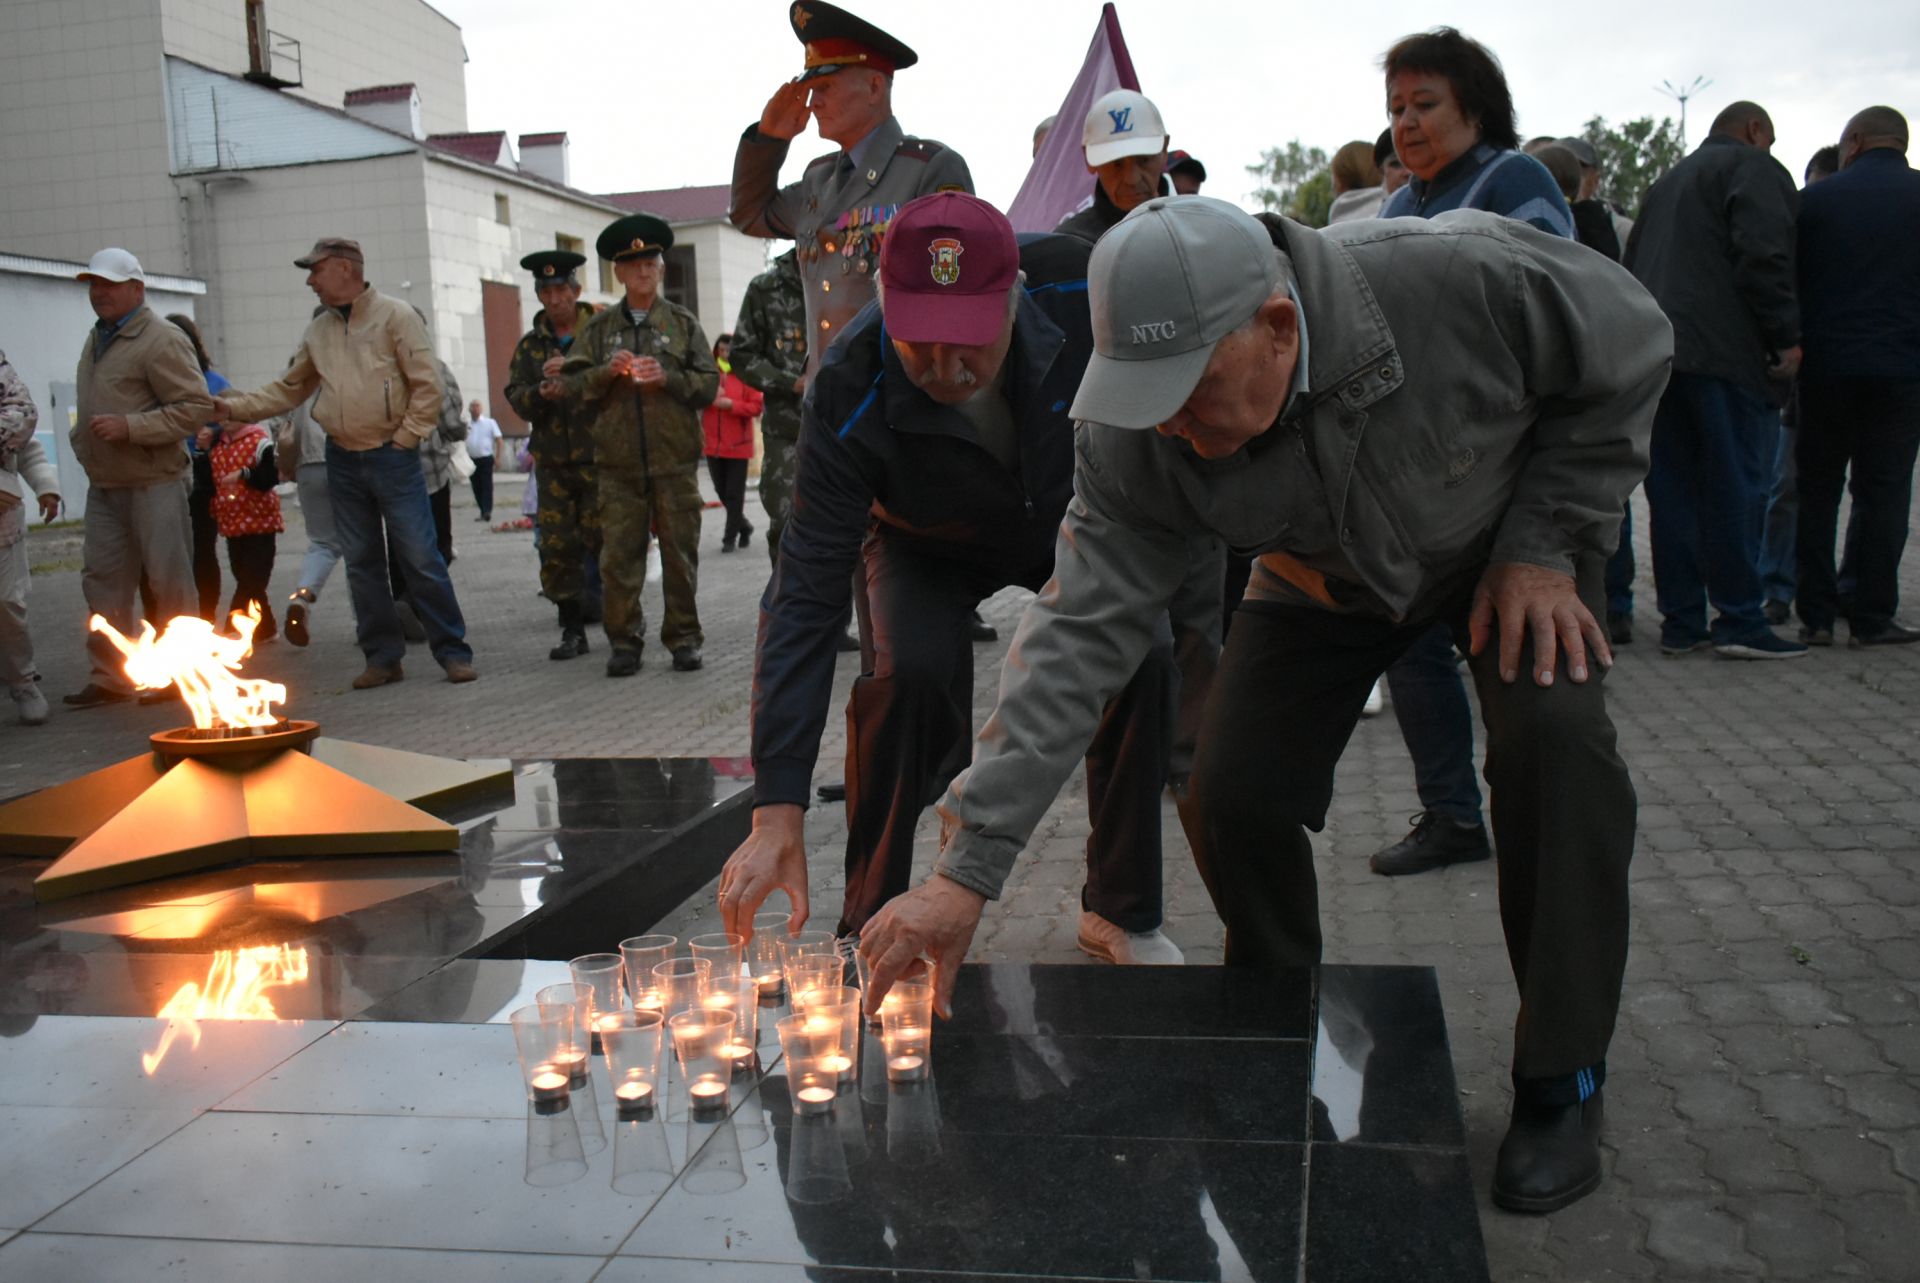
(847, 644)
(686, 659)
(746, 533)
(1777, 612)
(623, 663)
(479, 516)
(836, 792)
(1821, 635)
(1434, 842)
(726, 545)
(92, 696)
(572, 645)
(296, 629)
(165, 695)
(980, 630)
(1550, 1158)
(1888, 634)
(1619, 627)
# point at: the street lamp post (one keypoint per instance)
(1680, 95)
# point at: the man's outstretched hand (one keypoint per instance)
(774, 856)
(936, 919)
(1520, 599)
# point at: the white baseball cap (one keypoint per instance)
(1123, 123)
(114, 265)
(1166, 284)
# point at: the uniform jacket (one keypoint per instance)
(374, 370)
(1860, 270)
(150, 374)
(651, 431)
(248, 506)
(1714, 242)
(837, 218)
(561, 434)
(770, 344)
(876, 452)
(729, 433)
(1474, 391)
(25, 470)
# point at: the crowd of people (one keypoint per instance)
(1252, 470)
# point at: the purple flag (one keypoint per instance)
(1058, 183)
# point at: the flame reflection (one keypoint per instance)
(237, 981)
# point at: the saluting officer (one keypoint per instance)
(561, 442)
(643, 370)
(837, 214)
(770, 354)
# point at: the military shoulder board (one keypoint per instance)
(920, 149)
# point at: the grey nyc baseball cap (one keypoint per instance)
(1167, 283)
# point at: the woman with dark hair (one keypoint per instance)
(206, 533)
(728, 427)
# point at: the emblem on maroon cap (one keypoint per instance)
(946, 252)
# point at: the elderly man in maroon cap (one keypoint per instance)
(936, 447)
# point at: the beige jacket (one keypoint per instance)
(149, 374)
(374, 370)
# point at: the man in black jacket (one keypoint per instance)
(1714, 244)
(935, 445)
(1126, 146)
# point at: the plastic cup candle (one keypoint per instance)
(707, 1094)
(905, 1067)
(549, 1084)
(724, 950)
(639, 955)
(840, 1004)
(805, 1043)
(543, 1033)
(765, 957)
(632, 1042)
(906, 1029)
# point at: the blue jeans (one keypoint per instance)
(1777, 563)
(1714, 447)
(369, 487)
(1430, 703)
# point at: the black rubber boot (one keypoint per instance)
(573, 632)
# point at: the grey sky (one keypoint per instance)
(656, 94)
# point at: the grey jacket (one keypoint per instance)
(1471, 391)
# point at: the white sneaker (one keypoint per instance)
(1376, 701)
(1109, 943)
(33, 705)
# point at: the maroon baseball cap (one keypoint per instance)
(945, 268)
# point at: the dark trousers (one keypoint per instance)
(730, 483)
(206, 555)
(250, 557)
(482, 482)
(440, 503)
(382, 488)
(910, 731)
(1714, 449)
(1620, 568)
(1290, 688)
(1436, 721)
(1862, 433)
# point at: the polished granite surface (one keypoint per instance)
(1086, 1122)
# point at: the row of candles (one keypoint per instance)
(630, 1006)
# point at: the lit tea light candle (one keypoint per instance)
(573, 1063)
(769, 984)
(707, 1094)
(549, 1084)
(651, 1000)
(813, 1100)
(634, 1094)
(906, 1068)
(841, 1067)
(739, 1055)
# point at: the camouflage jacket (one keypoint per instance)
(770, 343)
(561, 435)
(654, 431)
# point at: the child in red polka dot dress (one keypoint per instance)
(247, 511)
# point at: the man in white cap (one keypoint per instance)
(1126, 145)
(1409, 422)
(140, 394)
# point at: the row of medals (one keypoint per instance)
(855, 237)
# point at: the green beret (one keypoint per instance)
(633, 236)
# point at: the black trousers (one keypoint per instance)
(910, 731)
(250, 557)
(1291, 684)
(482, 482)
(1863, 434)
(206, 555)
(730, 483)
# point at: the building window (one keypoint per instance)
(609, 283)
(569, 244)
(682, 283)
(501, 214)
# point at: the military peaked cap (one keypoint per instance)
(551, 266)
(836, 40)
(633, 236)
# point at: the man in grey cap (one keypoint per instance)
(1408, 422)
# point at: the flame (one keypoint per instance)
(236, 986)
(203, 664)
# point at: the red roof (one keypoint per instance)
(379, 93)
(484, 147)
(678, 204)
(543, 140)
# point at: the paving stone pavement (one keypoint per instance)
(1764, 1110)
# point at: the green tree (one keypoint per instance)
(1295, 181)
(1632, 155)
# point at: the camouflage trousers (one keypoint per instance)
(776, 487)
(567, 529)
(634, 507)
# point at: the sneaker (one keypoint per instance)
(1777, 612)
(1683, 643)
(980, 630)
(32, 704)
(1107, 942)
(296, 629)
(460, 671)
(1888, 634)
(1821, 636)
(623, 662)
(1434, 842)
(378, 675)
(686, 659)
(93, 695)
(1620, 627)
(1761, 645)
(1376, 699)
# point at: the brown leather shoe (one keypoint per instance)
(378, 675)
(459, 670)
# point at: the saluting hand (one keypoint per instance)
(785, 115)
(774, 857)
(1522, 599)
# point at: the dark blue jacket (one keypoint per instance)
(877, 454)
(1500, 182)
(1859, 268)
